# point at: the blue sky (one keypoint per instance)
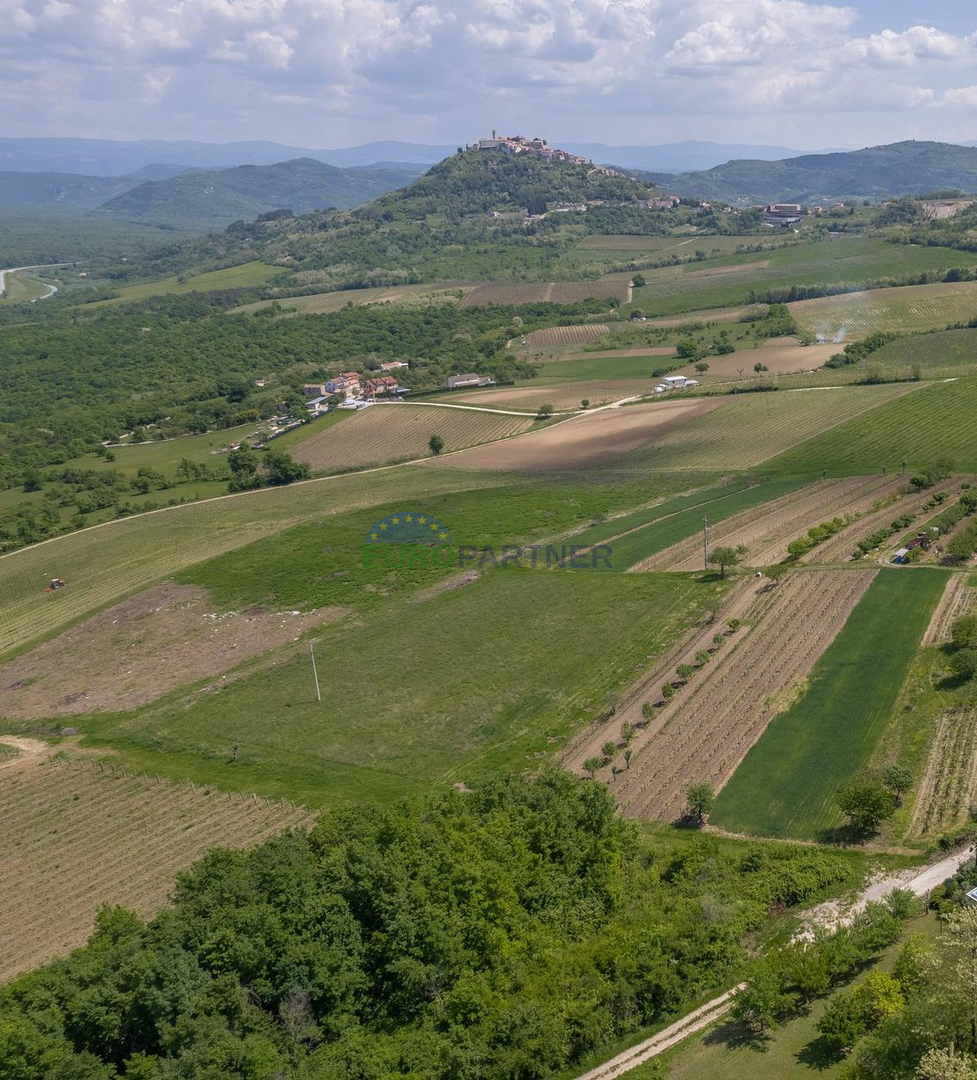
(339, 72)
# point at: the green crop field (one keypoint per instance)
(932, 422)
(726, 281)
(748, 429)
(449, 689)
(233, 277)
(787, 782)
(942, 355)
(658, 535)
(907, 309)
(606, 367)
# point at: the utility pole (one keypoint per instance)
(705, 542)
(315, 674)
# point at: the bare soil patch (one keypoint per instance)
(583, 440)
(767, 530)
(783, 358)
(144, 647)
(80, 835)
(958, 598)
(706, 730)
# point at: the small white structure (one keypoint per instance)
(675, 382)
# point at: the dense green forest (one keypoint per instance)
(508, 932)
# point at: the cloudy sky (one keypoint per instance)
(326, 73)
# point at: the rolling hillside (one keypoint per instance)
(877, 172)
(215, 198)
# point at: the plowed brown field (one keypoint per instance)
(582, 441)
(767, 530)
(705, 731)
(75, 839)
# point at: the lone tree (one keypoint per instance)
(699, 800)
(865, 803)
(544, 412)
(435, 444)
(898, 779)
(724, 557)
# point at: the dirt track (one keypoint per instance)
(705, 731)
(582, 441)
(141, 648)
(767, 530)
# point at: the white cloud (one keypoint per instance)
(442, 70)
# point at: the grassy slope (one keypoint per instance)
(943, 355)
(466, 682)
(233, 277)
(787, 782)
(907, 310)
(932, 422)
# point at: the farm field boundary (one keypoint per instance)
(934, 421)
(80, 834)
(711, 723)
(948, 787)
(787, 782)
(765, 531)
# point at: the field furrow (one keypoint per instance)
(767, 530)
(949, 785)
(78, 837)
(958, 599)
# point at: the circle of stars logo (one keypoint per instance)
(408, 527)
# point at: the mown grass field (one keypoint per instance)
(918, 428)
(452, 688)
(400, 432)
(787, 782)
(746, 430)
(22, 287)
(908, 309)
(233, 277)
(606, 367)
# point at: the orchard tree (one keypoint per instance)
(609, 749)
(724, 557)
(699, 800)
(898, 779)
(435, 444)
(592, 764)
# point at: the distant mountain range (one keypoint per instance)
(205, 199)
(107, 157)
(877, 172)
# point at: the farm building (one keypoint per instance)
(312, 390)
(678, 382)
(383, 384)
(459, 382)
(394, 365)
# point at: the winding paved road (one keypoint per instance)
(17, 269)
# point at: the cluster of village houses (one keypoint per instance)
(358, 390)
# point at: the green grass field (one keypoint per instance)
(452, 688)
(605, 367)
(320, 303)
(918, 428)
(233, 277)
(19, 288)
(786, 784)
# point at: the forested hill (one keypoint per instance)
(215, 198)
(477, 214)
(876, 172)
